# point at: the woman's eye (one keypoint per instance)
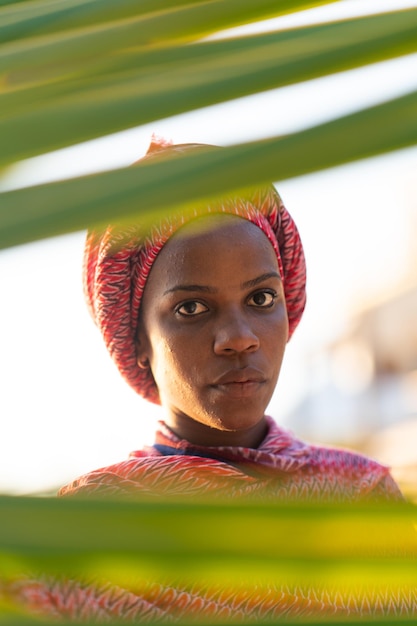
(188, 309)
(263, 299)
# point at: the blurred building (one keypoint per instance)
(367, 378)
(363, 388)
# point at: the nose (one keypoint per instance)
(234, 334)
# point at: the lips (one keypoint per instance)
(240, 377)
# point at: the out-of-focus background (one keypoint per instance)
(350, 374)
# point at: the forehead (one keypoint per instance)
(214, 248)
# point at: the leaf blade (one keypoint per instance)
(47, 210)
(171, 82)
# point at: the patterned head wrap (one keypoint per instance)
(117, 262)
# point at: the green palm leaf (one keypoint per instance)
(361, 535)
(124, 542)
(143, 26)
(184, 18)
(56, 208)
(151, 84)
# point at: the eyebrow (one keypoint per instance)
(260, 279)
(202, 288)
(254, 282)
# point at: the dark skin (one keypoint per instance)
(214, 329)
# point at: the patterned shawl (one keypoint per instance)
(282, 467)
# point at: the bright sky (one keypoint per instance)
(65, 408)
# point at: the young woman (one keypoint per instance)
(196, 312)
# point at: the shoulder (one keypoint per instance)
(157, 475)
(319, 471)
(358, 475)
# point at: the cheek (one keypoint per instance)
(275, 339)
(162, 357)
(282, 323)
(274, 329)
(173, 362)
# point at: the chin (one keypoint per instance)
(238, 424)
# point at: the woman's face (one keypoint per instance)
(214, 329)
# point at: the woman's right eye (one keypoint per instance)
(191, 308)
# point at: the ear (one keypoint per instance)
(142, 352)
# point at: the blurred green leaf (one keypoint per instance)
(47, 526)
(28, 18)
(189, 21)
(23, 620)
(45, 17)
(11, 3)
(151, 85)
(55, 208)
(338, 544)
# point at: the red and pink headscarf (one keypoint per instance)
(117, 262)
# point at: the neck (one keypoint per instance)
(202, 435)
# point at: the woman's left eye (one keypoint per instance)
(263, 299)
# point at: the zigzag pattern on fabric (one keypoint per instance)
(287, 469)
(154, 602)
(283, 467)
